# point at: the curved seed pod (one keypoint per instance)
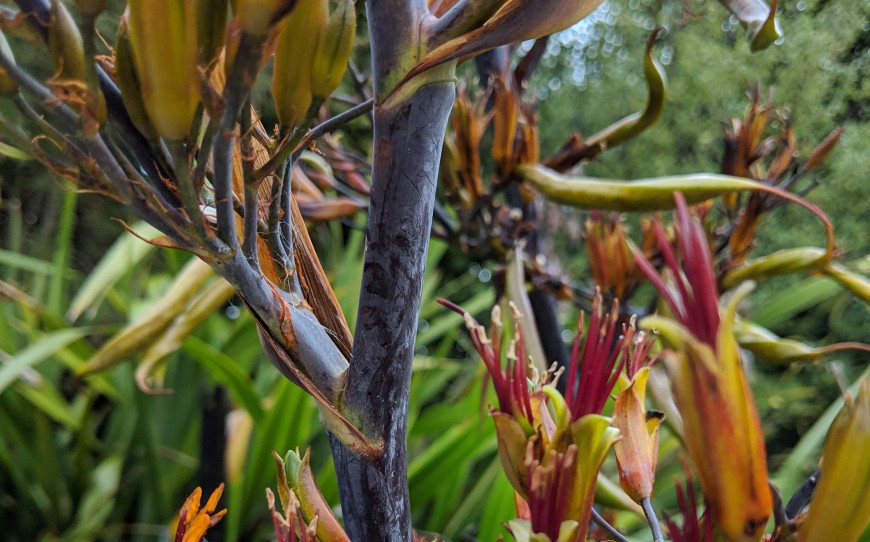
(294, 59)
(128, 82)
(782, 262)
(7, 84)
(772, 348)
(652, 194)
(163, 40)
(333, 50)
(758, 19)
(855, 283)
(636, 123)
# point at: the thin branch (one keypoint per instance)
(249, 240)
(802, 495)
(332, 124)
(651, 518)
(273, 229)
(611, 530)
(236, 92)
(204, 150)
(285, 224)
(289, 143)
(189, 194)
(43, 94)
(146, 188)
(359, 80)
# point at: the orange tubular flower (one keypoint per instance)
(193, 521)
(722, 430)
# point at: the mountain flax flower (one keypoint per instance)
(722, 430)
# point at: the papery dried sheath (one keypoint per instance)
(516, 20)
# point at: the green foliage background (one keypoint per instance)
(97, 459)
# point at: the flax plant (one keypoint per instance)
(164, 122)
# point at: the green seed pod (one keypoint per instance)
(333, 50)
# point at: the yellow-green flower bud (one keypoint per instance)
(128, 82)
(333, 50)
(91, 8)
(75, 75)
(258, 16)
(163, 40)
(65, 44)
(294, 60)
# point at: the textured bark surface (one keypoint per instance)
(408, 140)
(409, 133)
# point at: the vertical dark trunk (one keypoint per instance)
(408, 139)
(409, 133)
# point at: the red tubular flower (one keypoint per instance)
(551, 483)
(693, 528)
(722, 430)
(594, 370)
(511, 381)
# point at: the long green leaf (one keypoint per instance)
(798, 298)
(225, 370)
(23, 262)
(123, 256)
(47, 346)
(804, 455)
